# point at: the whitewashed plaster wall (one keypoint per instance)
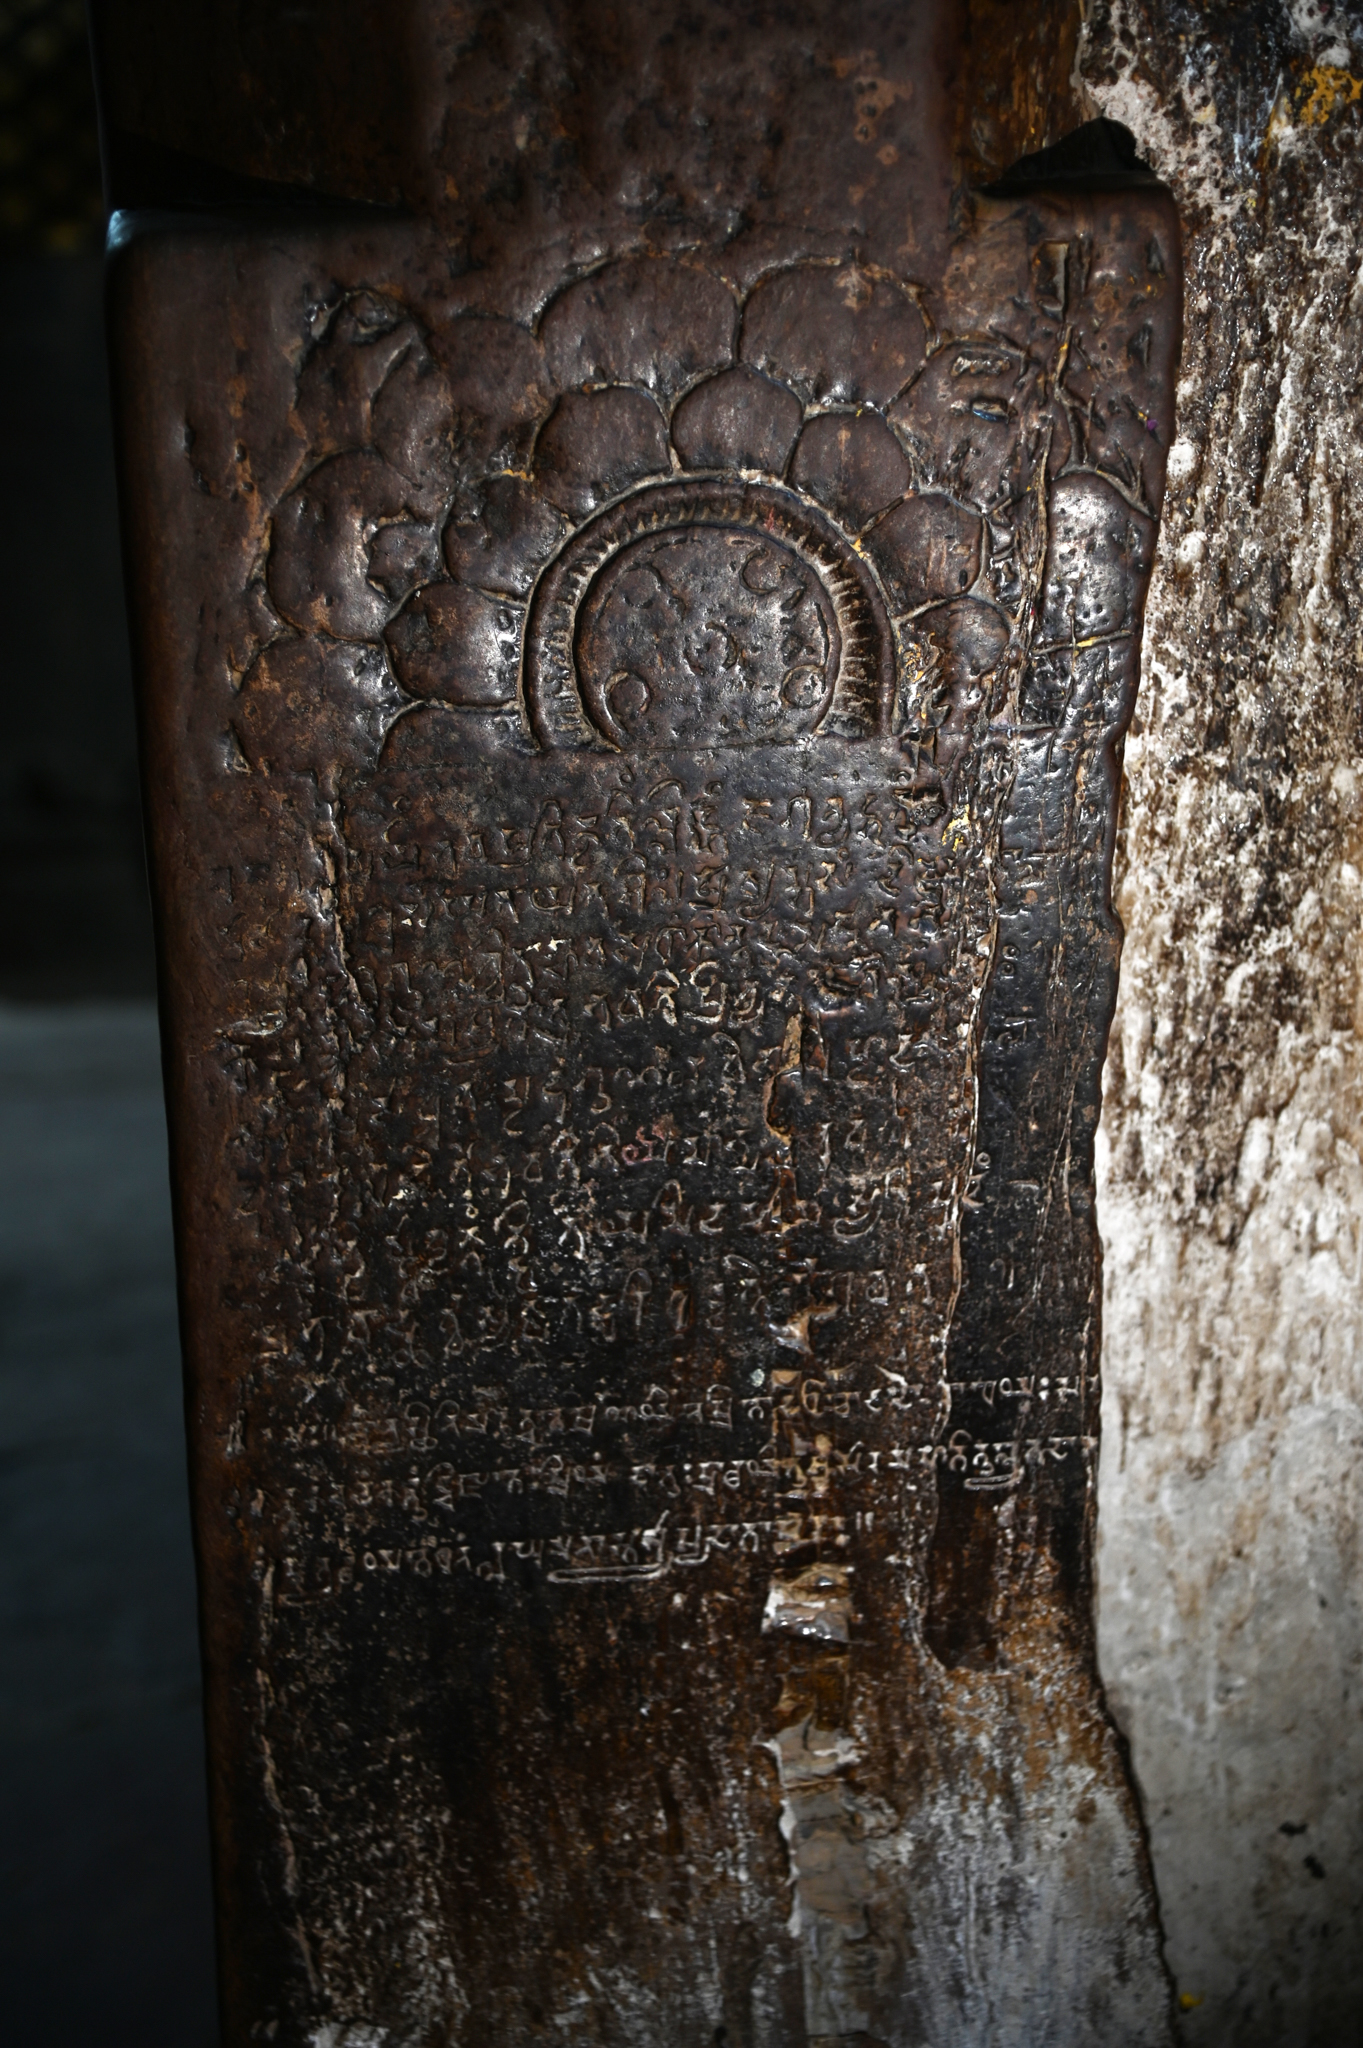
(1231, 1189)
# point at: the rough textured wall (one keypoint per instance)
(1232, 1199)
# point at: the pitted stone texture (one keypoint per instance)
(926, 549)
(839, 336)
(649, 322)
(596, 444)
(851, 463)
(738, 420)
(456, 645)
(500, 541)
(1094, 535)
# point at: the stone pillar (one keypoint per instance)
(638, 540)
(1231, 1198)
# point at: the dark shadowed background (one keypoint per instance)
(105, 1914)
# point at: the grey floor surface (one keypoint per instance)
(105, 1915)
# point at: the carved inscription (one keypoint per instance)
(659, 1132)
(708, 614)
(656, 773)
(659, 992)
(699, 634)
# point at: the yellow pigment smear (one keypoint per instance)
(1326, 87)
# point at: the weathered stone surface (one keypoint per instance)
(348, 548)
(645, 321)
(309, 700)
(1231, 1195)
(634, 1132)
(972, 421)
(927, 549)
(844, 335)
(497, 383)
(738, 420)
(852, 463)
(458, 645)
(501, 539)
(596, 444)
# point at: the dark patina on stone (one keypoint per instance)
(632, 691)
